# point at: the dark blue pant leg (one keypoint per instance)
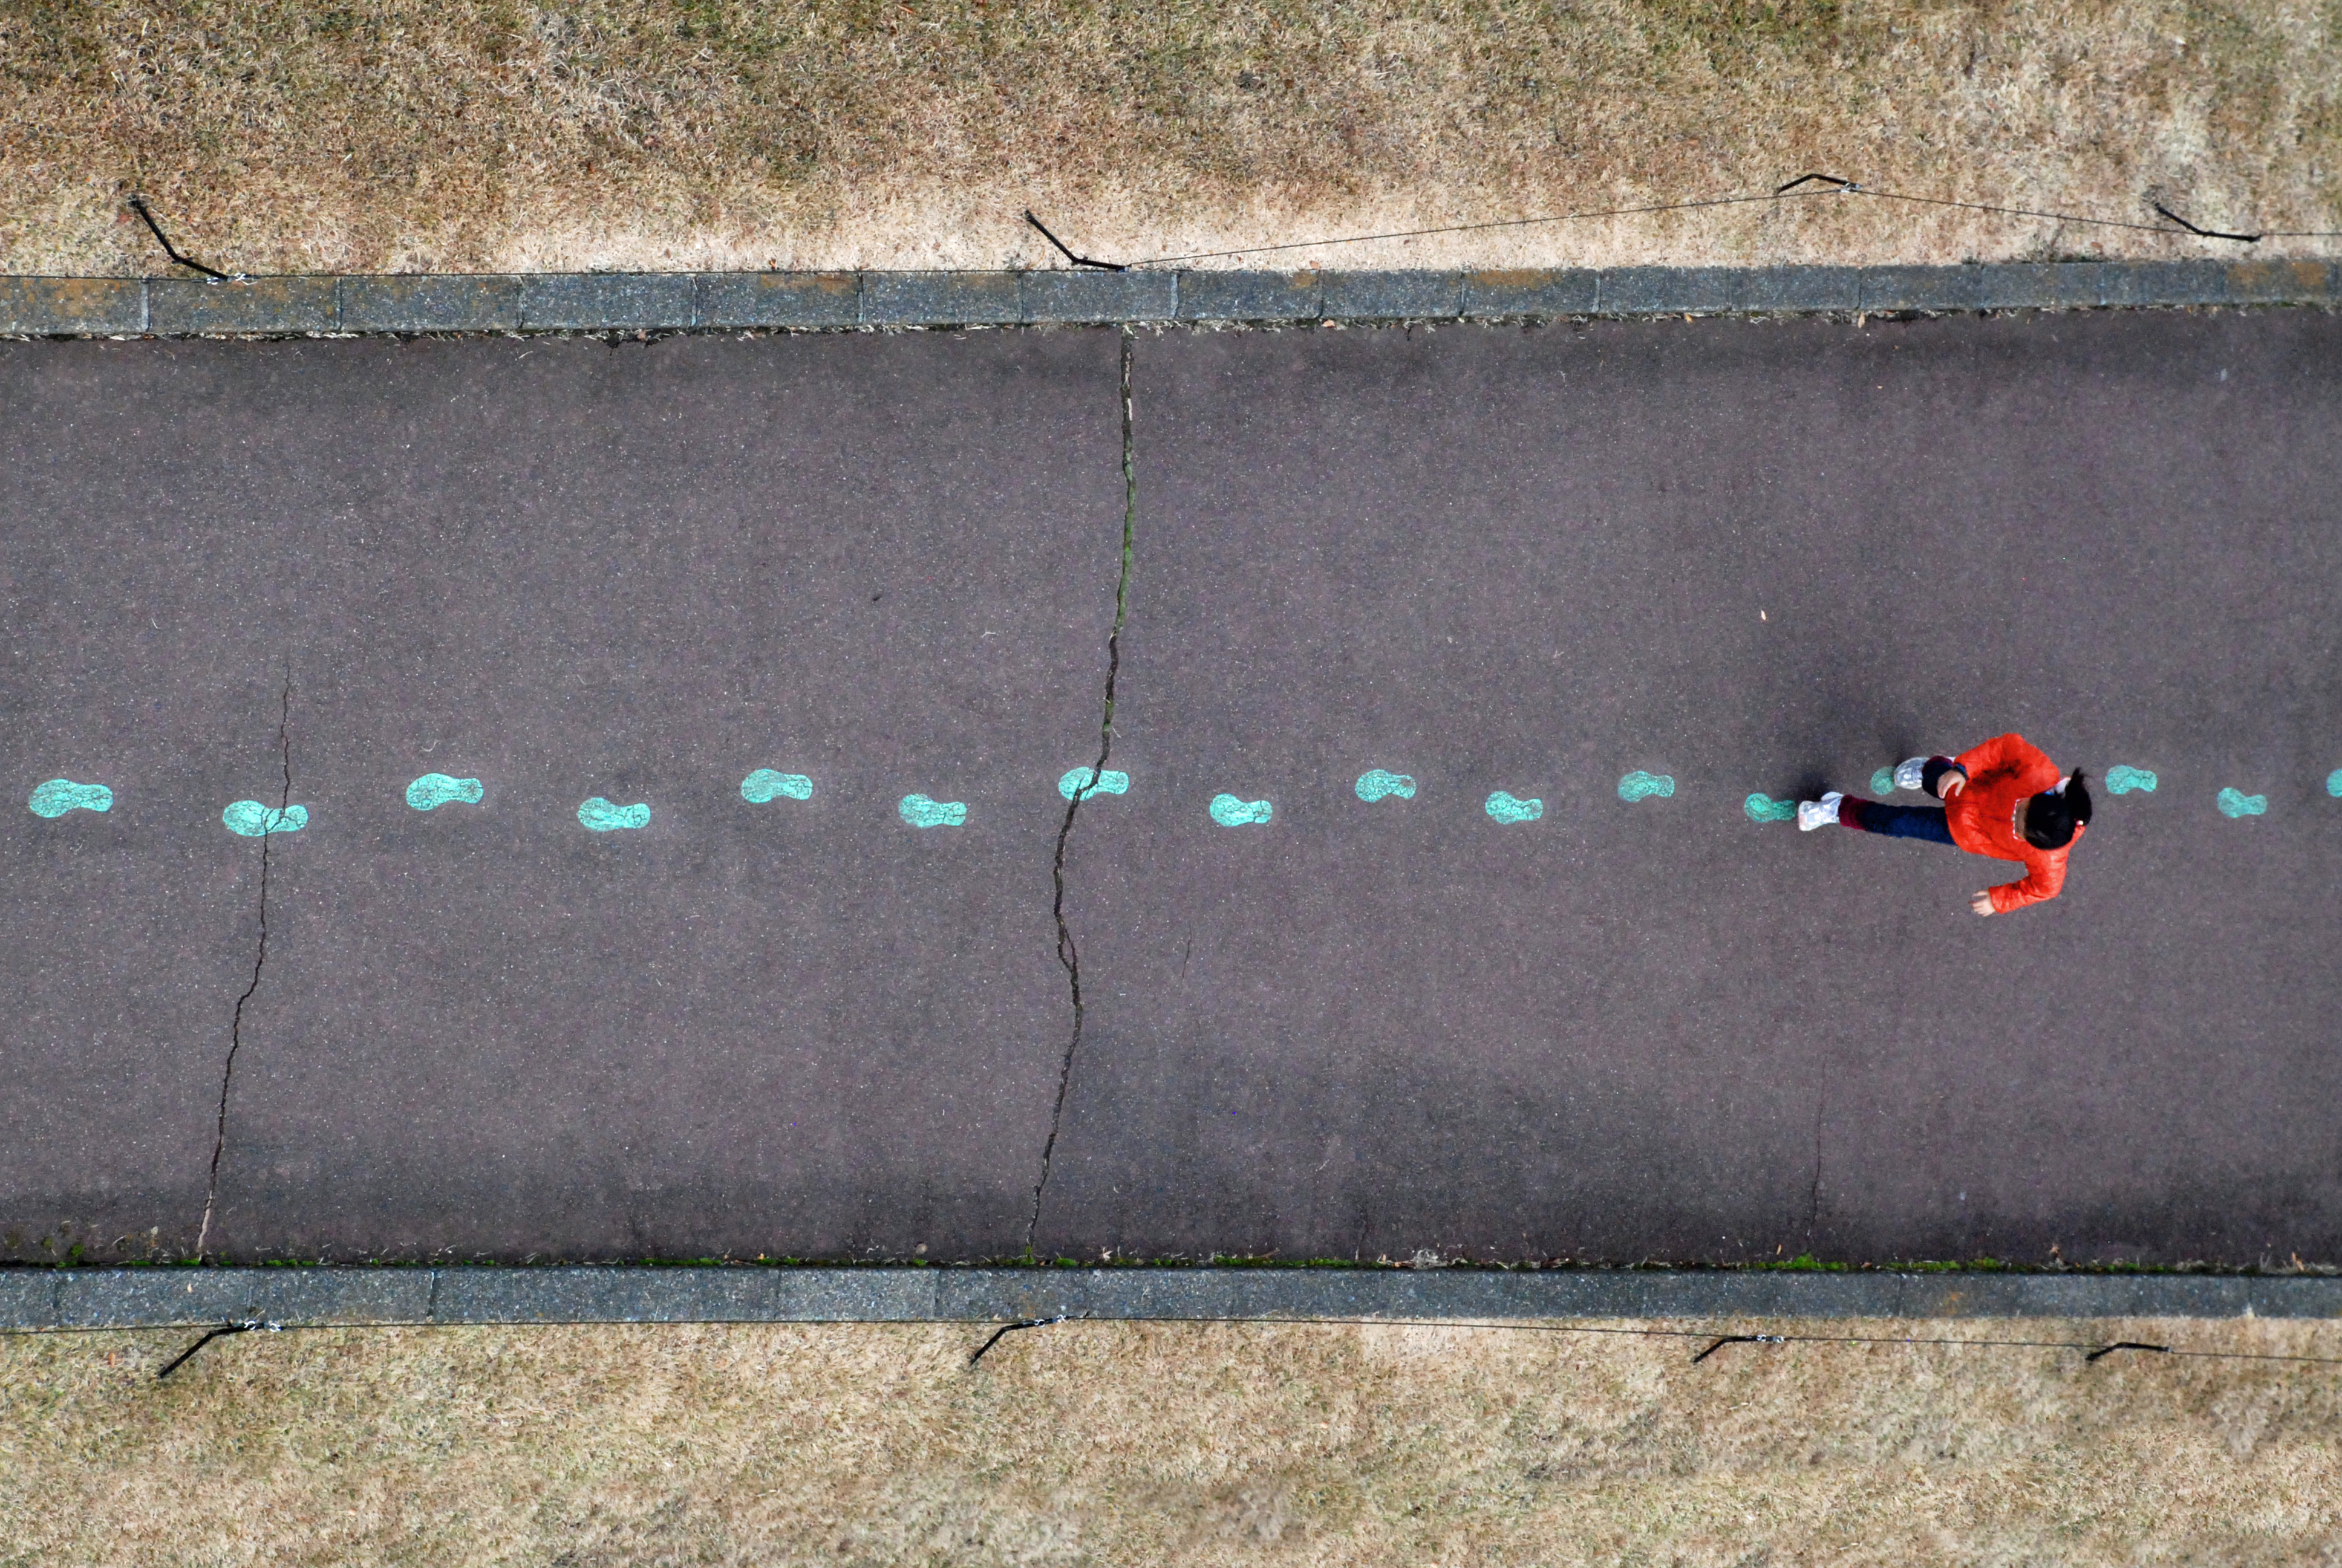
(1927, 822)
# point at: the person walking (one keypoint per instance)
(2004, 799)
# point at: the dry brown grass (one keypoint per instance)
(396, 134)
(1134, 1444)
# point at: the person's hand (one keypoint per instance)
(1951, 783)
(1981, 903)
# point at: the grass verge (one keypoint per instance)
(1141, 1443)
(455, 134)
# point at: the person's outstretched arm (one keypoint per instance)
(2043, 879)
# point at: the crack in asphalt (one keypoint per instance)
(1068, 954)
(259, 961)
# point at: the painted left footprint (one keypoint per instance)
(59, 796)
(920, 812)
(1764, 808)
(1640, 786)
(253, 820)
(434, 790)
(764, 784)
(1089, 784)
(600, 816)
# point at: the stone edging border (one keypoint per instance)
(77, 1298)
(684, 302)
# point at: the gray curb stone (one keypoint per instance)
(1668, 290)
(181, 306)
(2285, 283)
(2021, 285)
(73, 306)
(1089, 296)
(671, 302)
(442, 303)
(38, 1299)
(1392, 295)
(778, 299)
(950, 298)
(1250, 296)
(2166, 283)
(1801, 289)
(615, 301)
(1569, 290)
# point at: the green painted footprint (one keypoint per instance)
(1079, 779)
(1881, 783)
(253, 820)
(764, 784)
(920, 812)
(2235, 803)
(2123, 780)
(600, 816)
(2333, 783)
(1639, 785)
(1230, 812)
(1375, 783)
(1764, 808)
(437, 789)
(1504, 808)
(59, 796)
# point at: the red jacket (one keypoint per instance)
(2002, 773)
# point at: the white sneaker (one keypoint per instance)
(1822, 812)
(1911, 775)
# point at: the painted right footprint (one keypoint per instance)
(1229, 811)
(251, 819)
(1376, 783)
(2235, 803)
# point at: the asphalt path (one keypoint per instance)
(1751, 557)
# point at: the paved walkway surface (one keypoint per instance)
(1748, 559)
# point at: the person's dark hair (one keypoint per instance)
(2055, 814)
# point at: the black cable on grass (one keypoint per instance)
(2090, 1353)
(1469, 228)
(1851, 188)
(2207, 234)
(138, 206)
(1804, 185)
(234, 1326)
(1737, 1339)
(1067, 253)
(1005, 1330)
(2082, 218)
